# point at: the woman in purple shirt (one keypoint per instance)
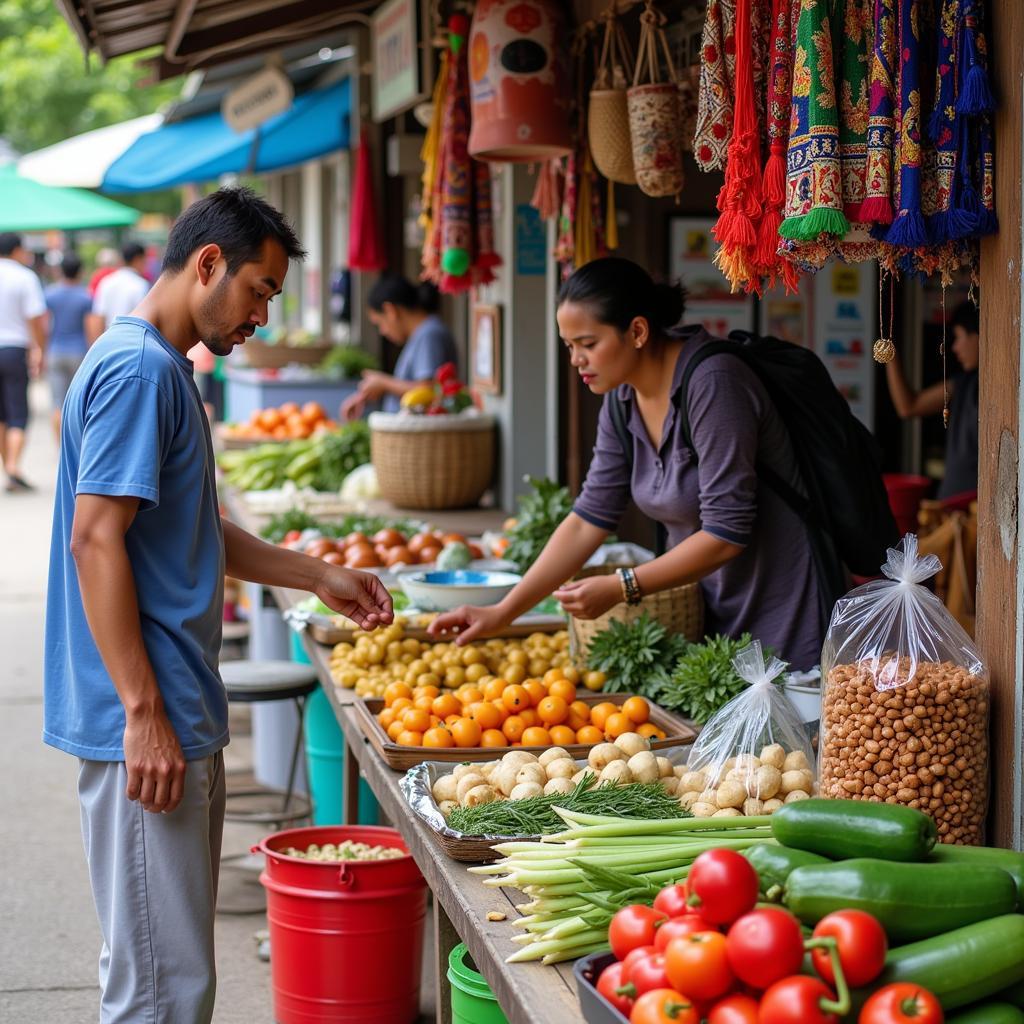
(725, 528)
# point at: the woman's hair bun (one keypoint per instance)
(668, 303)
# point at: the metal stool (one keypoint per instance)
(250, 682)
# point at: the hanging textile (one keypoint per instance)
(430, 154)
(854, 45)
(547, 194)
(365, 248)
(877, 207)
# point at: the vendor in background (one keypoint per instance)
(69, 304)
(406, 315)
(961, 475)
(726, 529)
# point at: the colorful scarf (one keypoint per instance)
(854, 46)
(877, 205)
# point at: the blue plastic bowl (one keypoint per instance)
(441, 591)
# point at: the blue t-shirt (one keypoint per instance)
(429, 347)
(134, 425)
(68, 305)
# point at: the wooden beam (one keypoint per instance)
(1000, 570)
(179, 25)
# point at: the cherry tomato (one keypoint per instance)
(901, 1003)
(633, 926)
(664, 1006)
(699, 965)
(677, 927)
(797, 1000)
(723, 886)
(645, 974)
(633, 956)
(609, 983)
(672, 900)
(765, 946)
(734, 1009)
(862, 946)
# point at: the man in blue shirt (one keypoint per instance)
(135, 604)
(69, 304)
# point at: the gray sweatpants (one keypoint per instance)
(154, 881)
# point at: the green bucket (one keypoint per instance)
(472, 1001)
(325, 758)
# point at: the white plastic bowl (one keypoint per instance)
(441, 591)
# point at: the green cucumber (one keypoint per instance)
(773, 865)
(1009, 860)
(912, 901)
(854, 828)
(988, 1013)
(961, 967)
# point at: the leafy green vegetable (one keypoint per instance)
(295, 519)
(704, 679)
(637, 657)
(534, 816)
(348, 360)
(539, 514)
(317, 607)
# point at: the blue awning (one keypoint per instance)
(202, 149)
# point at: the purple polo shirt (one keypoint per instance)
(771, 588)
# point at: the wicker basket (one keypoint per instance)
(607, 112)
(262, 356)
(679, 610)
(432, 462)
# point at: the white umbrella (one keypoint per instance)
(82, 160)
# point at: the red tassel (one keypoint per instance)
(735, 228)
(876, 210)
(774, 185)
(768, 240)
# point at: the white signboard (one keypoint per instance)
(257, 100)
(396, 58)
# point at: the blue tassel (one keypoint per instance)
(938, 227)
(976, 94)
(908, 230)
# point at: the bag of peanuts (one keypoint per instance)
(754, 754)
(905, 701)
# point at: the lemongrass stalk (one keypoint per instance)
(573, 953)
(654, 827)
(506, 882)
(539, 950)
(494, 868)
(681, 824)
(559, 904)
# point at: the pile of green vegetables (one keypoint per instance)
(642, 657)
(540, 511)
(347, 361)
(320, 462)
(296, 520)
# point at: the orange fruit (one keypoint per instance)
(552, 675)
(424, 702)
(288, 408)
(446, 704)
(513, 728)
(589, 734)
(581, 708)
(493, 738)
(429, 690)
(395, 729)
(536, 736)
(485, 714)
(529, 717)
(637, 710)
(562, 735)
(386, 717)
(553, 710)
(564, 689)
(571, 673)
(493, 688)
(617, 724)
(536, 689)
(395, 690)
(416, 719)
(594, 680)
(515, 697)
(466, 732)
(399, 705)
(650, 731)
(599, 713)
(435, 720)
(450, 720)
(280, 433)
(576, 720)
(439, 736)
(470, 694)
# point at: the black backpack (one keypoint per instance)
(846, 508)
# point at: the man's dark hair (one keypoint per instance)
(9, 241)
(131, 251)
(71, 265)
(237, 220)
(966, 316)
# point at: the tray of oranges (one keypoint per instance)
(287, 422)
(414, 724)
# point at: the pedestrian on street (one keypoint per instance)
(136, 600)
(119, 293)
(69, 304)
(22, 350)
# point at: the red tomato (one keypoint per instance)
(633, 926)
(672, 900)
(699, 965)
(765, 946)
(901, 1003)
(724, 886)
(635, 955)
(646, 973)
(292, 536)
(797, 1000)
(608, 984)
(861, 943)
(734, 1009)
(664, 1006)
(677, 927)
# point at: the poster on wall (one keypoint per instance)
(397, 71)
(691, 249)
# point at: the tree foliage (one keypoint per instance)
(49, 92)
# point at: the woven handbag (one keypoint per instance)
(608, 109)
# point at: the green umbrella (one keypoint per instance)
(25, 205)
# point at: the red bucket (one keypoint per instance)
(346, 939)
(905, 495)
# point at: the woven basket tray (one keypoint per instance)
(262, 356)
(679, 610)
(434, 462)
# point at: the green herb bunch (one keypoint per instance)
(637, 657)
(348, 361)
(296, 519)
(539, 514)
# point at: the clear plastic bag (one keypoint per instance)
(905, 701)
(754, 754)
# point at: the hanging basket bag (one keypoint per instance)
(608, 109)
(655, 115)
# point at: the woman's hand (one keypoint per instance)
(359, 596)
(373, 385)
(468, 622)
(353, 407)
(590, 598)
